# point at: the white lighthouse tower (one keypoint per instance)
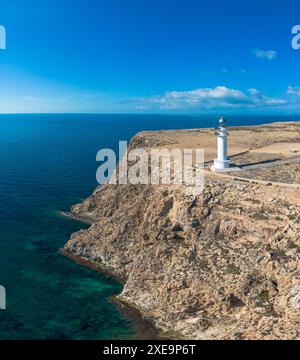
(222, 162)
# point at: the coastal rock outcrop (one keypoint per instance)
(221, 265)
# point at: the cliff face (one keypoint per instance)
(223, 265)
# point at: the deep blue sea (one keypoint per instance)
(47, 163)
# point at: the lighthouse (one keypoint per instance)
(221, 163)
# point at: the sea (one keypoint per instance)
(47, 164)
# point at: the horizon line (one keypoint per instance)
(149, 114)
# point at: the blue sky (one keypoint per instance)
(183, 56)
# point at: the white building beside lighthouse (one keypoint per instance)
(222, 162)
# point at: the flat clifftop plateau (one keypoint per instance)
(222, 265)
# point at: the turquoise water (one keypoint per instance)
(47, 163)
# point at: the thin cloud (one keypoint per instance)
(265, 54)
(253, 91)
(36, 99)
(293, 90)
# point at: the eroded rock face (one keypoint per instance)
(222, 265)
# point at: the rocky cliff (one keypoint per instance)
(222, 265)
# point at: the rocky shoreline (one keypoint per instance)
(145, 329)
(222, 265)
